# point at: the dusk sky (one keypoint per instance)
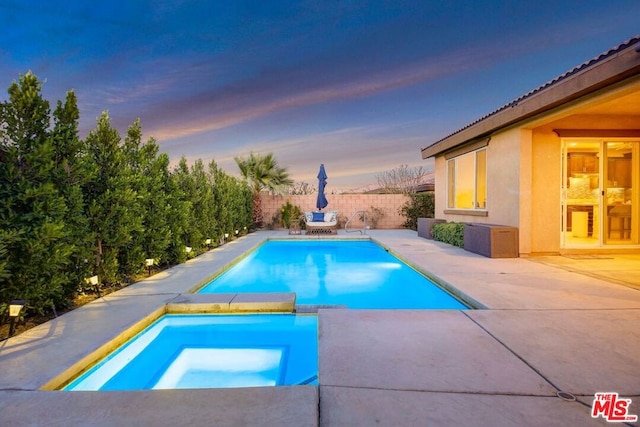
(360, 86)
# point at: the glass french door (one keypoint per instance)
(599, 193)
(581, 193)
(620, 192)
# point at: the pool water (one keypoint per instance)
(355, 274)
(211, 351)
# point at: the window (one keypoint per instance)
(467, 181)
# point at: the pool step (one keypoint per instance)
(313, 308)
(233, 303)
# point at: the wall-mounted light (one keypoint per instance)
(15, 307)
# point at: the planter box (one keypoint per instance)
(425, 225)
(492, 241)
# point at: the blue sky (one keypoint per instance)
(360, 86)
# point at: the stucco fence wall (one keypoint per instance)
(345, 204)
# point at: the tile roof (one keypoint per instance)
(613, 51)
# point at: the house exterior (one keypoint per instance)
(561, 163)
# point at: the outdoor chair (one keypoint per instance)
(321, 222)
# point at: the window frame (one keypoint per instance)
(452, 174)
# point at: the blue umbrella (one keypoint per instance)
(322, 181)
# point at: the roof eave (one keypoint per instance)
(613, 69)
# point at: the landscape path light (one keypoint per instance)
(93, 281)
(15, 307)
(149, 263)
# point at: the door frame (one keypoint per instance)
(601, 196)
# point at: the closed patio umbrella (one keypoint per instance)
(322, 201)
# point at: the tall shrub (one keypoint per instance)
(205, 222)
(233, 202)
(36, 256)
(110, 198)
(185, 190)
(419, 205)
(72, 171)
(290, 214)
(149, 176)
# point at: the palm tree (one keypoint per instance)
(262, 173)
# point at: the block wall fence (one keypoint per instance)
(345, 204)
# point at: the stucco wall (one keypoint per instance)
(503, 185)
(440, 187)
(526, 191)
(503, 179)
(345, 204)
(545, 195)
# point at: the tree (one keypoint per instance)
(131, 254)
(403, 180)
(178, 210)
(35, 241)
(419, 205)
(233, 201)
(301, 188)
(262, 172)
(202, 206)
(109, 198)
(72, 172)
(185, 190)
(157, 205)
(148, 178)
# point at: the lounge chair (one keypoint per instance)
(321, 222)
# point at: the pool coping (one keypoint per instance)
(248, 303)
(465, 298)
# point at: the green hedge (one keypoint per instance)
(449, 232)
(71, 209)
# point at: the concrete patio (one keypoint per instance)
(549, 324)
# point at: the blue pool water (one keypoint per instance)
(211, 351)
(356, 274)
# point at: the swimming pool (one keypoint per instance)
(211, 351)
(354, 273)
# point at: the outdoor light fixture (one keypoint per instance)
(15, 307)
(149, 263)
(207, 242)
(237, 231)
(93, 281)
(187, 249)
(226, 235)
